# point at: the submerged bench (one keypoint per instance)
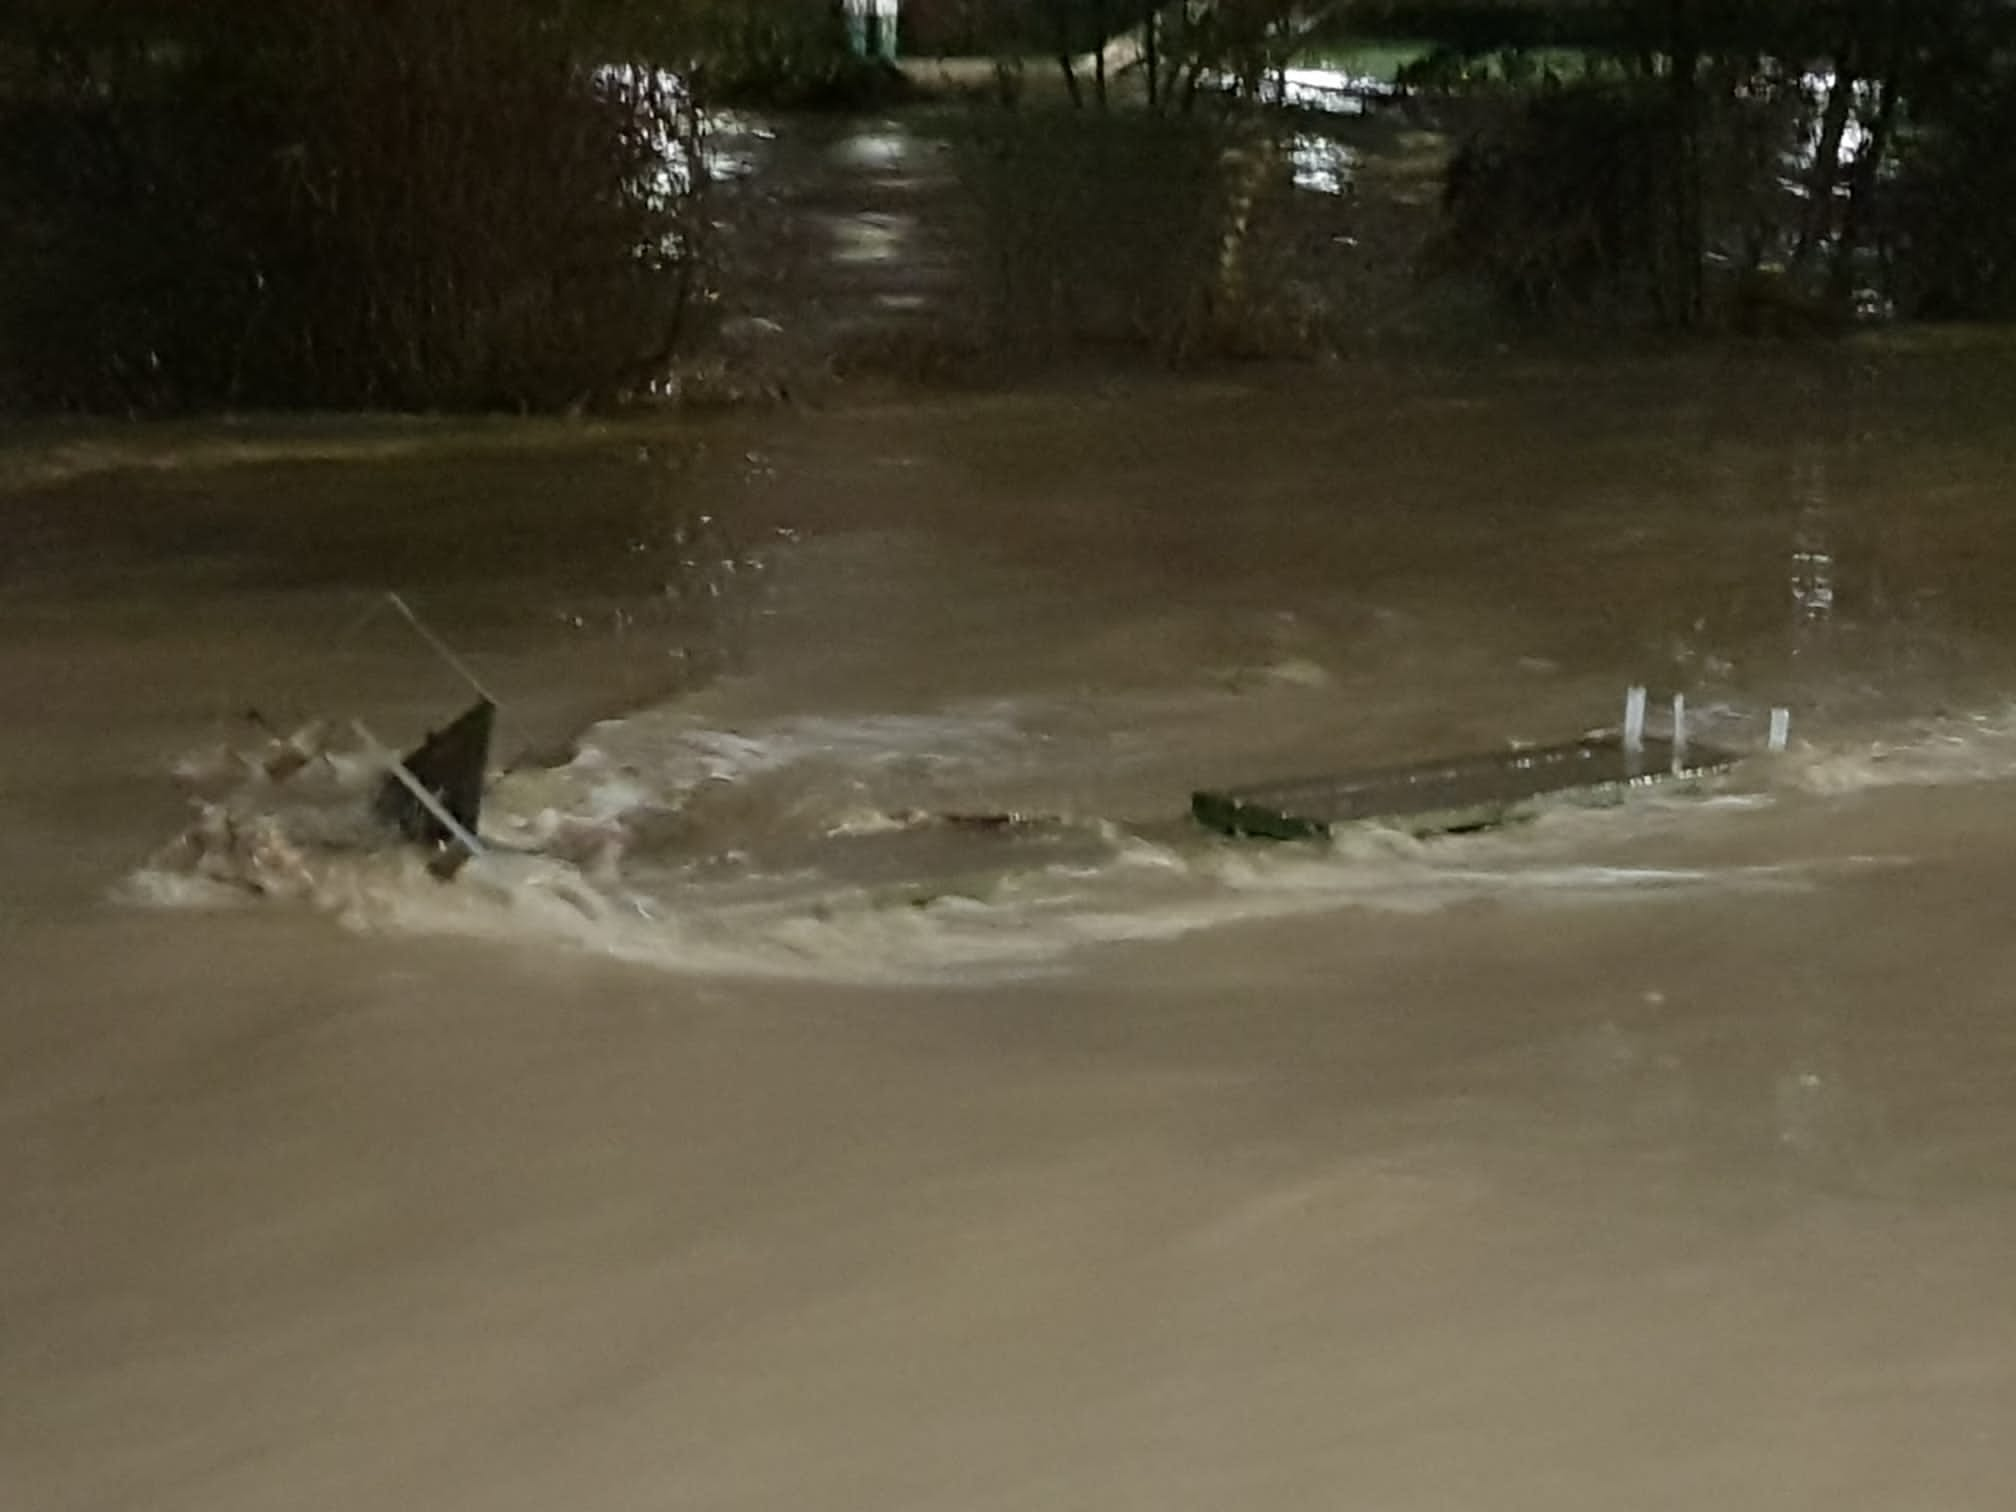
(1453, 796)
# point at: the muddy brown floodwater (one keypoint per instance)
(730, 1138)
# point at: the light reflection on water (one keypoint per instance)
(1332, 91)
(872, 237)
(1322, 164)
(723, 142)
(887, 149)
(1329, 89)
(1812, 578)
(729, 144)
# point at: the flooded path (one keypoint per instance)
(739, 1143)
(838, 239)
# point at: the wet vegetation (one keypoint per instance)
(775, 54)
(470, 204)
(1100, 230)
(1139, 203)
(1763, 166)
(334, 204)
(1771, 168)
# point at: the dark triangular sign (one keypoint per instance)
(450, 764)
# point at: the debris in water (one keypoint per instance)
(1466, 793)
(250, 854)
(435, 795)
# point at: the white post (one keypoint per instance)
(1781, 729)
(1679, 732)
(1634, 720)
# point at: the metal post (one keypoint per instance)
(440, 647)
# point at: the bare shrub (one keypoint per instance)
(346, 203)
(1560, 204)
(1128, 228)
(1953, 234)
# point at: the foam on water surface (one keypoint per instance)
(905, 846)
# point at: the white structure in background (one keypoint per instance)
(871, 26)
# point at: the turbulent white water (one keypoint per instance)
(916, 846)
